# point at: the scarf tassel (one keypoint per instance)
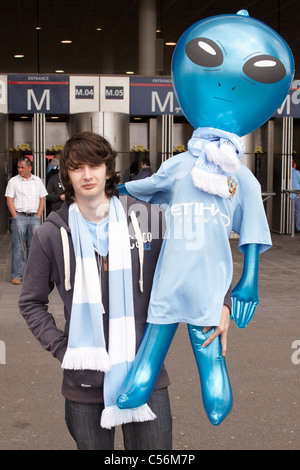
(211, 183)
(114, 416)
(86, 358)
(224, 156)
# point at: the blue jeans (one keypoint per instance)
(83, 422)
(22, 230)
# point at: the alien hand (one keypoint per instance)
(245, 294)
(122, 189)
(244, 302)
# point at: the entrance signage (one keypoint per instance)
(153, 96)
(114, 94)
(140, 96)
(290, 107)
(31, 94)
(84, 94)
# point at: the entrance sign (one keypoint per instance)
(153, 96)
(290, 107)
(31, 94)
(63, 94)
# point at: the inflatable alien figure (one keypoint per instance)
(230, 74)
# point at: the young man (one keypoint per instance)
(25, 195)
(102, 260)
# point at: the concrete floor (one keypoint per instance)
(262, 361)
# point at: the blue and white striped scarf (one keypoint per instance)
(218, 153)
(86, 342)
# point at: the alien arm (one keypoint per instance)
(155, 189)
(245, 294)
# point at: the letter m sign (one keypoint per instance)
(31, 98)
(169, 100)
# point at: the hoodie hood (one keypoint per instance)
(60, 219)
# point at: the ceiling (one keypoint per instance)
(114, 48)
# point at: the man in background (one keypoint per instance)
(25, 195)
(145, 170)
(55, 188)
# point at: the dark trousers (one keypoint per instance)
(83, 422)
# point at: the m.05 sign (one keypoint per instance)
(114, 92)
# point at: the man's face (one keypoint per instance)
(24, 170)
(88, 181)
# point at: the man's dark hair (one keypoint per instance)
(26, 160)
(88, 148)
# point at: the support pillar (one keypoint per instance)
(147, 37)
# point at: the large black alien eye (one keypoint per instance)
(264, 69)
(204, 52)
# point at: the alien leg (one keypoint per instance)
(142, 377)
(215, 384)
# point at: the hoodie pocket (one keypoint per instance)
(87, 378)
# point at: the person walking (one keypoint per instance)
(25, 195)
(296, 185)
(55, 189)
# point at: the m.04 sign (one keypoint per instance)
(83, 92)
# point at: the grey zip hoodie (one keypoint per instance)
(51, 263)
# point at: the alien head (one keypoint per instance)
(231, 72)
